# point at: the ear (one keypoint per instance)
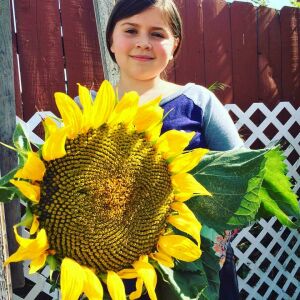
(176, 43)
(112, 48)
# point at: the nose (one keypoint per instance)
(143, 44)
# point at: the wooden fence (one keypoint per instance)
(253, 50)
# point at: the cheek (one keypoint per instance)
(120, 44)
(165, 49)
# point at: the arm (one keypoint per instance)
(218, 128)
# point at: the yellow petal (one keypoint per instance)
(138, 290)
(179, 247)
(115, 286)
(182, 209)
(182, 197)
(186, 224)
(125, 110)
(173, 142)
(70, 113)
(92, 286)
(185, 162)
(33, 169)
(128, 274)
(35, 225)
(104, 104)
(50, 126)
(148, 115)
(54, 146)
(147, 273)
(37, 246)
(30, 191)
(71, 279)
(29, 248)
(163, 259)
(37, 263)
(186, 183)
(86, 102)
(153, 133)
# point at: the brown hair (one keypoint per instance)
(128, 8)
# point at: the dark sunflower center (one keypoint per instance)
(105, 203)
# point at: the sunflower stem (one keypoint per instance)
(9, 147)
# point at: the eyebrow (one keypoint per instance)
(137, 25)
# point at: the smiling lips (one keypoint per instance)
(142, 57)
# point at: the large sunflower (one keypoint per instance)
(105, 193)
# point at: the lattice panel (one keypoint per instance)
(268, 254)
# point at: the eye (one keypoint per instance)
(131, 31)
(158, 35)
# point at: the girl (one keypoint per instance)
(142, 37)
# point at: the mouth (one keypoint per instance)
(141, 57)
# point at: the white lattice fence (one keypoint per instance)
(268, 254)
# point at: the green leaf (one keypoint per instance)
(7, 193)
(208, 233)
(21, 140)
(245, 184)
(271, 206)
(234, 178)
(277, 190)
(180, 285)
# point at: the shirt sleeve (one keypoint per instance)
(218, 128)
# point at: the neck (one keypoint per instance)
(140, 86)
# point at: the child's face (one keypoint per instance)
(143, 44)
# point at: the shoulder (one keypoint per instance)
(200, 95)
(171, 88)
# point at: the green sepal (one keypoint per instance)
(21, 140)
(7, 177)
(27, 219)
(52, 263)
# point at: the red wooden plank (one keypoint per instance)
(189, 65)
(269, 57)
(83, 59)
(18, 100)
(244, 53)
(217, 42)
(290, 28)
(40, 53)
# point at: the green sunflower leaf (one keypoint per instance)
(278, 199)
(180, 285)
(241, 182)
(234, 179)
